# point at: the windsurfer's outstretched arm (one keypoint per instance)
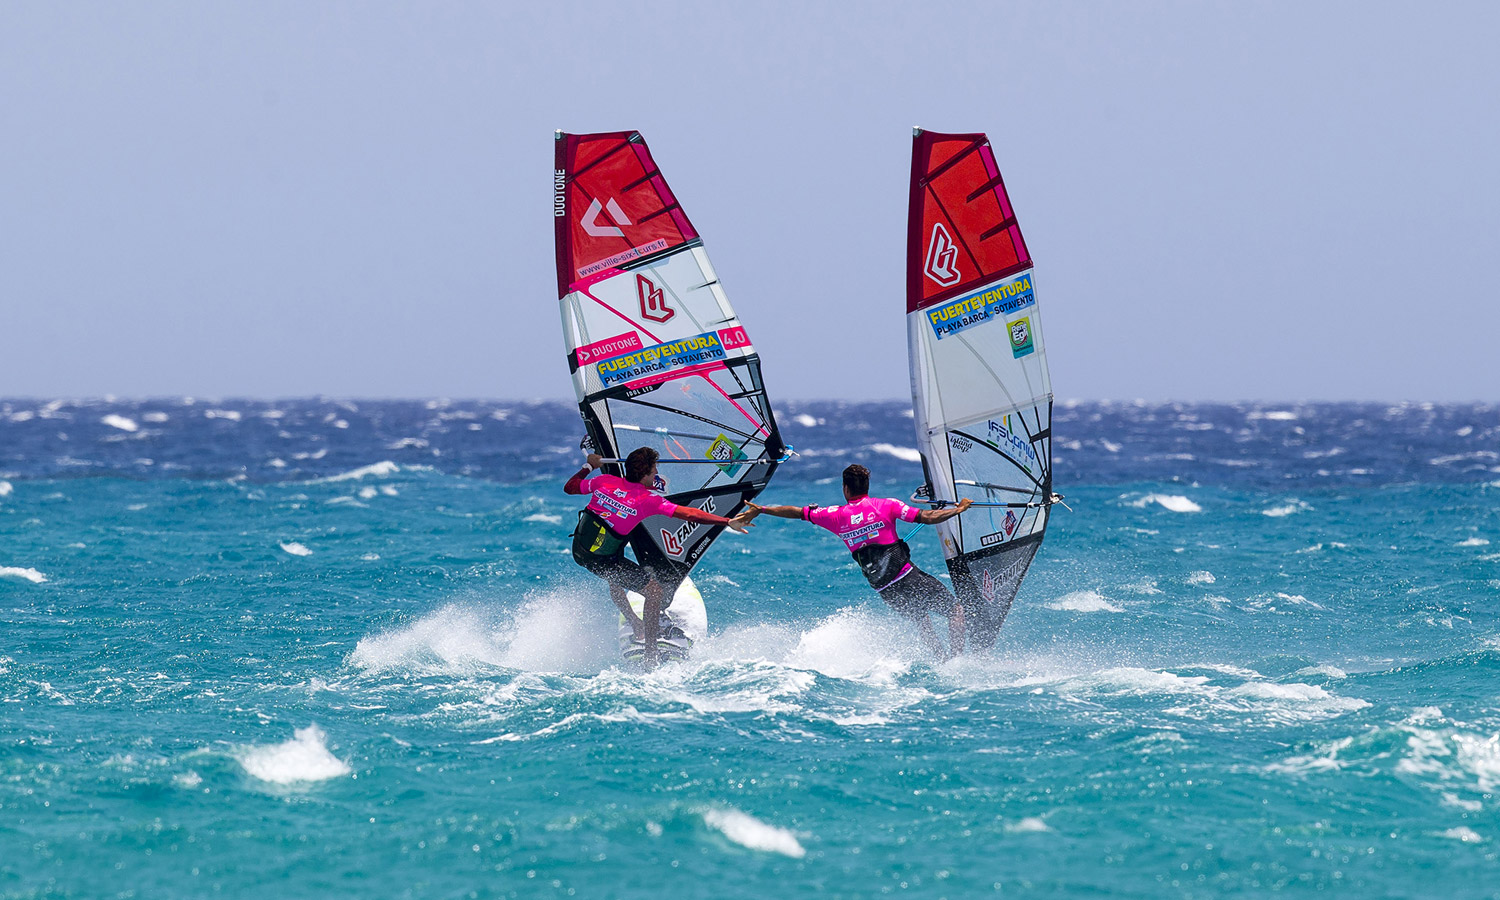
(934, 516)
(781, 512)
(693, 514)
(926, 516)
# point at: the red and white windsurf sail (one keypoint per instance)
(980, 390)
(657, 354)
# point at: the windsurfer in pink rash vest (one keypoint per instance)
(617, 507)
(867, 526)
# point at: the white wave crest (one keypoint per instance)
(544, 518)
(1323, 671)
(806, 421)
(380, 469)
(1273, 415)
(1173, 502)
(31, 575)
(1466, 835)
(5, 488)
(1201, 577)
(1028, 825)
(908, 454)
(1288, 509)
(1474, 542)
(1296, 693)
(296, 549)
(1084, 601)
(303, 758)
(120, 422)
(748, 831)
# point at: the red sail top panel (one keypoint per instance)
(610, 205)
(961, 231)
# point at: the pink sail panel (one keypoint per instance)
(610, 205)
(961, 230)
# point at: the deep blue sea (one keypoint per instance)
(318, 648)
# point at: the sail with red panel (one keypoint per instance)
(658, 356)
(981, 394)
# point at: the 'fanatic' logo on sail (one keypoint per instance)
(653, 301)
(942, 258)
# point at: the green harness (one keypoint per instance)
(595, 537)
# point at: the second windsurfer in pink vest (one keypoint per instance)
(867, 527)
(617, 507)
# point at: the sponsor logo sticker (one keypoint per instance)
(1003, 438)
(994, 302)
(942, 258)
(1020, 337)
(653, 300)
(661, 359)
(591, 224)
(626, 256)
(726, 452)
(1010, 522)
(620, 343)
(989, 539)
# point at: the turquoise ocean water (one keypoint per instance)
(314, 649)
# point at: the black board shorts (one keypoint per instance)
(917, 593)
(601, 551)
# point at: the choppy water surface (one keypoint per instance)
(338, 649)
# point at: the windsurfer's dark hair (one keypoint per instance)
(639, 462)
(857, 480)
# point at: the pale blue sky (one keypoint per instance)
(1225, 201)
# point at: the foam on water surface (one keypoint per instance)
(304, 758)
(748, 831)
(20, 573)
(1084, 601)
(1174, 502)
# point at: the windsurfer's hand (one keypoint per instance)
(741, 522)
(964, 504)
(595, 460)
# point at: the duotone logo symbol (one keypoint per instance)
(592, 225)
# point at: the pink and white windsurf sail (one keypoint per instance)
(981, 393)
(657, 355)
